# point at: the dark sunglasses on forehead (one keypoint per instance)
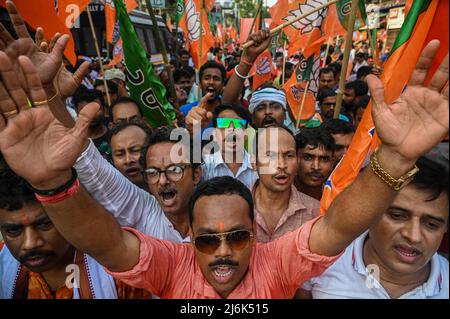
(236, 240)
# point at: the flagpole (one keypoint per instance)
(328, 47)
(302, 104)
(160, 43)
(374, 52)
(200, 53)
(288, 23)
(284, 62)
(348, 47)
(102, 69)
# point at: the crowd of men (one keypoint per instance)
(93, 185)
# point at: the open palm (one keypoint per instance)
(34, 144)
(418, 120)
(48, 64)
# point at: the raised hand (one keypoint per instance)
(419, 119)
(202, 113)
(34, 144)
(261, 41)
(49, 64)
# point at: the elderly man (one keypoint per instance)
(223, 260)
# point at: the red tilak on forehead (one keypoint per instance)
(221, 226)
(24, 218)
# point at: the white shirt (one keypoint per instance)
(214, 166)
(348, 278)
(130, 205)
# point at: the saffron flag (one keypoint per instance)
(307, 70)
(117, 53)
(426, 20)
(144, 85)
(244, 32)
(193, 31)
(220, 36)
(54, 16)
(262, 69)
(110, 16)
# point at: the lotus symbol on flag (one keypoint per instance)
(313, 85)
(263, 66)
(308, 23)
(192, 21)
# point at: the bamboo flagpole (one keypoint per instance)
(284, 62)
(288, 23)
(200, 53)
(302, 104)
(372, 48)
(102, 69)
(160, 43)
(348, 47)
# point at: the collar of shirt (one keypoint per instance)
(246, 163)
(430, 288)
(295, 206)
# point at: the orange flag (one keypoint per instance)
(307, 34)
(110, 16)
(244, 32)
(190, 23)
(426, 20)
(307, 70)
(220, 35)
(52, 17)
(262, 69)
(169, 24)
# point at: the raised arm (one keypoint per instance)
(235, 84)
(40, 149)
(408, 128)
(128, 203)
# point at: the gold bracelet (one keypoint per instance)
(394, 183)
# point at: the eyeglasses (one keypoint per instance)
(237, 240)
(173, 173)
(225, 122)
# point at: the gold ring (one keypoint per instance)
(10, 114)
(45, 102)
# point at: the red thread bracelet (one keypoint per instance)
(245, 61)
(53, 199)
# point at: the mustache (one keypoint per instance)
(166, 189)
(35, 253)
(314, 174)
(223, 262)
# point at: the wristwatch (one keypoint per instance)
(394, 183)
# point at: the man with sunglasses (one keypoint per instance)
(230, 123)
(170, 270)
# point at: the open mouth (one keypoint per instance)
(210, 89)
(281, 179)
(407, 254)
(168, 197)
(269, 121)
(223, 274)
